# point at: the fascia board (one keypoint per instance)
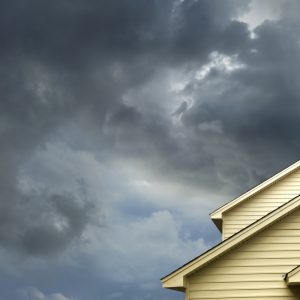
(293, 277)
(235, 240)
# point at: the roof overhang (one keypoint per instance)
(176, 279)
(293, 277)
(218, 221)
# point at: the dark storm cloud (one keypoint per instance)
(259, 104)
(76, 32)
(54, 230)
(68, 60)
(204, 26)
(181, 109)
(96, 76)
(73, 61)
(41, 224)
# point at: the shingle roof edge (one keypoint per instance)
(234, 240)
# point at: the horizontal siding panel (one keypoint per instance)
(243, 218)
(267, 199)
(287, 225)
(286, 187)
(258, 262)
(280, 254)
(274, 201)
(270, 197)
(262, 210)
(233, 278)
(278, 192)
(281, 269)
(297, 213)
(251, 298)
(243, 222)
(261, 204)
(235, 222)
(241, 293)
(250, 213)
(294, 220)
(233, 227)
(282, 232)
(254, 269)
(277, 240)
(272, 247)
(238, 285)
(231, 223)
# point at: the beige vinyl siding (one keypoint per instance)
(261, 204)
(254, 270)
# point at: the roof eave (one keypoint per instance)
(218, 222)
(293, 277)
(176, 279)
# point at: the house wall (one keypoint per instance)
(259, 205)
(253, 270)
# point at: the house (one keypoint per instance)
(259, 256)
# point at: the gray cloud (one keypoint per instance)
(181, 109)
(103, 78)
(204, 26)
(74, 32)
(258, 104)
(71, 63)
(41, 224)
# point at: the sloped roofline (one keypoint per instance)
(176, 279)
(216, 215)
(292, 277)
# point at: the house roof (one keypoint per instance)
(293, 277)
(176, 279)
(216, 215)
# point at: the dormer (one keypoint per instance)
(257, 202)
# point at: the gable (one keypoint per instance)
(260, 204)
(259, 201)
(255, 269)
(177, 279)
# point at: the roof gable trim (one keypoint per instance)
(178, 276)
(293, 277)
(217, 214)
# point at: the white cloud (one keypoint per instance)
(137, 250)
(221, 62)
(130, 247)
(261, 11)
(113, 183)
(33, 293)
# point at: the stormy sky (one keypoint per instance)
(123, 123)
